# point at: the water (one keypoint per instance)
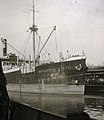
(64, 104)
(94, 106)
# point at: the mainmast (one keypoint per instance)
(34, 30)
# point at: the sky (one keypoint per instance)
(79, 26)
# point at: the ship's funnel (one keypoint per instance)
(4, 41)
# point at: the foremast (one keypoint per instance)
(34, 30)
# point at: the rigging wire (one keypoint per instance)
(16, 50)
(56, 46)
(27, 43)
(47, 39)
(39, 44)
(44, 48)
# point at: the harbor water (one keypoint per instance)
(63, 104)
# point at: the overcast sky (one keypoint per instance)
(80, 26)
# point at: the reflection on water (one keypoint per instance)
(57, 104)
(94, 106)
(64, 104)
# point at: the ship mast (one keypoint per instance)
(34, 30)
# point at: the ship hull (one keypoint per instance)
(57, 78)
(47, 88)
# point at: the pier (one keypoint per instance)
(94, 81)
(95, 73)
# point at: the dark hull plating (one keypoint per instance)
(58, 77)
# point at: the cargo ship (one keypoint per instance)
(66, 76)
